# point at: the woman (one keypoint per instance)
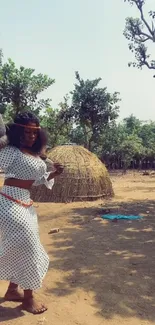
(23, 260)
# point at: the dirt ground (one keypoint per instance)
(101, 273)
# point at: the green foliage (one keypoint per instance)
(77, 135)
(131, 147)
(58, 130)
(19, 88)
(91, 109)
(139, 32)
(132, 125)
(125, 142)
(147, 134)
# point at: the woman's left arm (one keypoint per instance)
(48, 178)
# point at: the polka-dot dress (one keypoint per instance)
(23, 259)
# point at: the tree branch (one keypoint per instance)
(139, 31)
(151, 67)
(141, 40)
(147, 36)
(145, 22)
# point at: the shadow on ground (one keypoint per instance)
(113, 262)
(8, 313)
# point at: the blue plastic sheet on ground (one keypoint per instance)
(120, 217)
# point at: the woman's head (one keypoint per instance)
(26, 132)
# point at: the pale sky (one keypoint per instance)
(62, 36)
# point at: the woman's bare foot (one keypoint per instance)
(33, 306)
(14, 295)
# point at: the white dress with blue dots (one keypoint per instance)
(23, 259)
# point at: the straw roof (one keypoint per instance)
(84, 177)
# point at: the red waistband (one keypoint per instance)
(26, 205)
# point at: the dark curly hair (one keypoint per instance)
(15, 132)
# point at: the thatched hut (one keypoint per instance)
(84, 177)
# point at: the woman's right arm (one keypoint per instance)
(8, 155)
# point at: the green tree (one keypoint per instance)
(110, 140)
(130, 148)
(77, 135)
(58, 130)
(92, 108)
(139, 32)
(20, 88)
(132, 124)
(147, 134)
(120, 144)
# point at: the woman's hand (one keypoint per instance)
(59, 168)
